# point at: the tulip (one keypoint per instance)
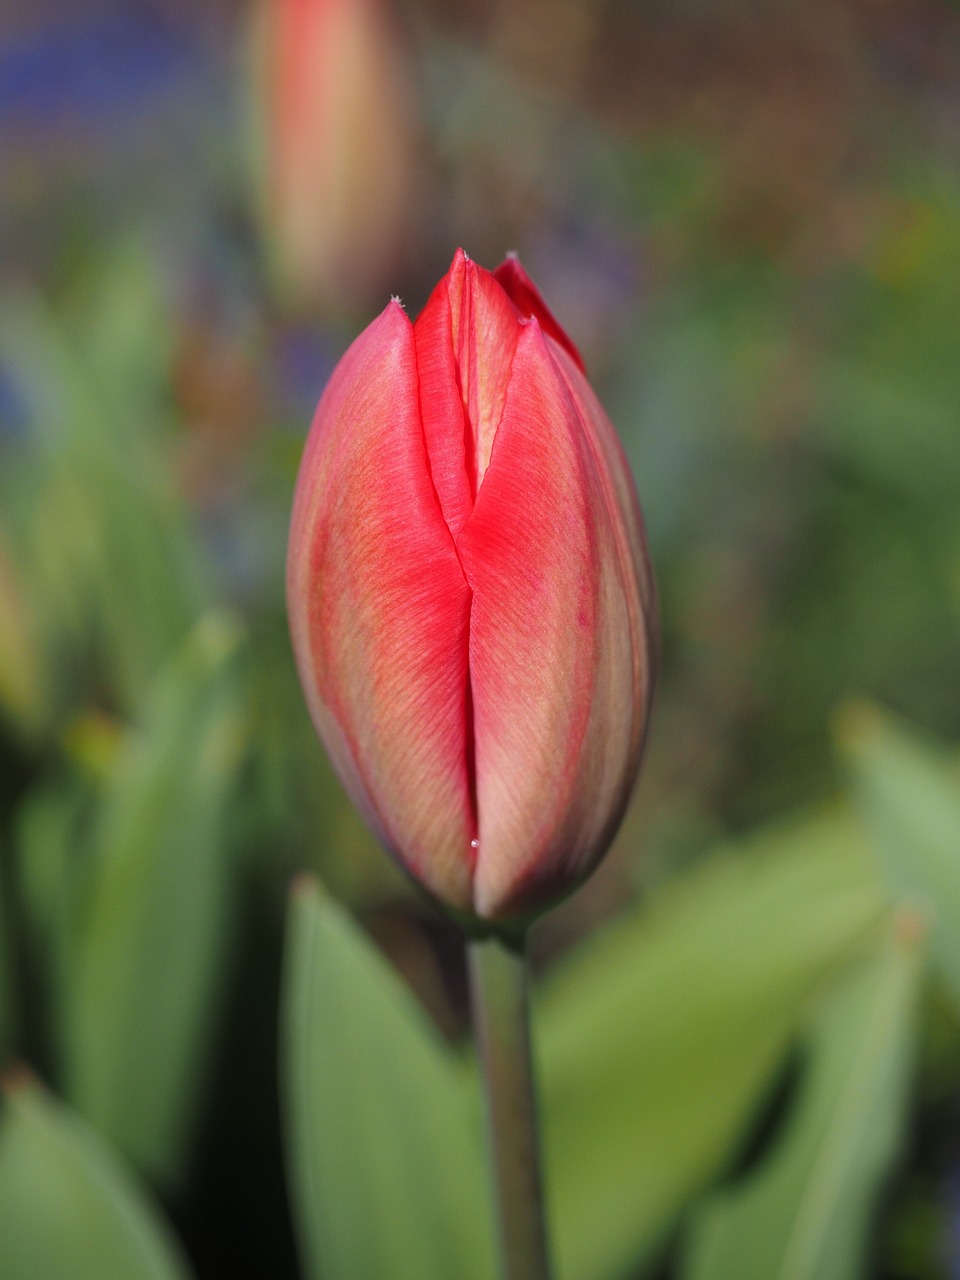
(334, 134)
(471, 604)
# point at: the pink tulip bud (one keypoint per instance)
(472, 607)
(335, 141)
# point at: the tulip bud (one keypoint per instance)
(334, 137)
(471, 603)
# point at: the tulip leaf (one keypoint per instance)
(383, 1139)
(659, 1039)
(112, 568)
(805, 1213)
(909, 794)
(69, 1210)
(146, 947)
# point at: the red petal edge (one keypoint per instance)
(528, 300)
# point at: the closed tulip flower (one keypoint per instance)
(471, 603)
(333, 116)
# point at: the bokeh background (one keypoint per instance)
(747, 215)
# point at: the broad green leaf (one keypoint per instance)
(909, 794)
(658, 1039)
(383, 1141)
(69, 1210)
(805, 1213)
(146, 948)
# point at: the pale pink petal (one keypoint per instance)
(621, 495)
(553, 667)
(379, 611)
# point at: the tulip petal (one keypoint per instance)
(444, 424)
(614, 471)
(558, 729)
(528, 300)
(379, 611)
(466, 337)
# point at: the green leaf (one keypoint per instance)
(805, 1214)
(147, 943)
(659, 1038)
(383, 1140)
(69, 1210)
(113, 569)
(909, 794)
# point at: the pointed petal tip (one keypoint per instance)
(458, 264)
(395, 311)
(529, 301)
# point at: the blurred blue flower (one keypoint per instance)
(304, 361)
(14, 420)
(96, 68)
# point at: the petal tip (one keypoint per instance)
(528, 300)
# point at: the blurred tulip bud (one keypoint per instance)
(471, 603)
(334, 137)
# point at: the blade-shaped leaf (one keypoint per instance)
(147, 945)
(68, 1208)
(383, 1141)
(805, 1213)
(659, 1038)
(909, 794)
(107, 540)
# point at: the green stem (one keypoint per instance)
(498, 988)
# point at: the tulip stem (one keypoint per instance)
(501, 1018)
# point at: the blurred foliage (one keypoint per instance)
(144, 946)
(910, 796)
(372, 1090)
(678, 1020)
(67, 1205)
(749, 218)
(809, 1210)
